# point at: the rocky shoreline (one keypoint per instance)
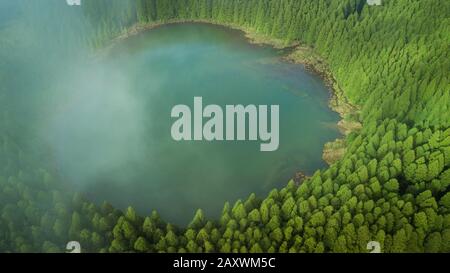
(299, 54)
(334, 150)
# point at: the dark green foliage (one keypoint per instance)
(391, 186)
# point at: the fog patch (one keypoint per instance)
(93, 124)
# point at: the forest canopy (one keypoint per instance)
(391, 185)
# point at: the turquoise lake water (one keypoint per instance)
(112, 137)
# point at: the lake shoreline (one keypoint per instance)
(338, 102)
(299, 54)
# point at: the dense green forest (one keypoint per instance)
(391, 186)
